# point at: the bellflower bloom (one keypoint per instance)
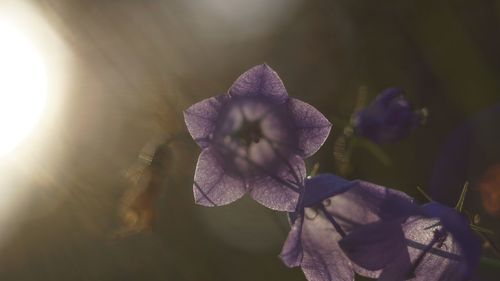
(389, 118)
(471, 153)
(435, 243)
(254, 139)
(332, 208)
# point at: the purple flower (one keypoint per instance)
(434, 243)
(331, 209)
(254, 139)
(389, 118)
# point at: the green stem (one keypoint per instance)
(490, 262)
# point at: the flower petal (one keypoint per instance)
(201, 119)
(260, 81)
(375, 245)
(397, 269)
(291, 254)
(354, 205)
(311, 125)
(322, 258)
(389, 118)
(389, 94)
(212, 185)
(275, 192)
(366, 203)
(443, 263)
(458, 227)
(323, 186)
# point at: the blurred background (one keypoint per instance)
(91, 88)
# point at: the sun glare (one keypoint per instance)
(23, 87)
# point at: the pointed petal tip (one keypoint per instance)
(312, 126)
(204, 203)
(201, 117)
(260, 81)
(263, 66)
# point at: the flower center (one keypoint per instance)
(249, 132)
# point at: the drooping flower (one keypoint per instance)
(254, 139)
(389, 118)
(471, 153)
(332, 208)
(434, 243)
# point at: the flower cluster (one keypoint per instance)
(254, 139)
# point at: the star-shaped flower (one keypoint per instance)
(254, 139)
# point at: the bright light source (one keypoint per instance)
(23, 87)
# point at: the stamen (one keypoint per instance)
(332, 220)
(255, 165)
(310, 213)
(281, 157)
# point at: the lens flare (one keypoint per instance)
(23, 87)
(490, 190)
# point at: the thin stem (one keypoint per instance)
(424, 194)
(314, 170)
(490, 262)
(481, 229)
(460, 203)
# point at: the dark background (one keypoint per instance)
(135, 65)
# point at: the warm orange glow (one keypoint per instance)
(490, 190)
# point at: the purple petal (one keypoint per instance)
(389, 118)
(352, 204)
(322, 259)
(201, 119)
(397, 270)
(323, 186)
(260, 81)
(366, 203)
(292, 252)
(212, 185)
(388, 95)
(375, 245)
(441, 263)
(312, 126)
(275, 192)
(458, 227)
